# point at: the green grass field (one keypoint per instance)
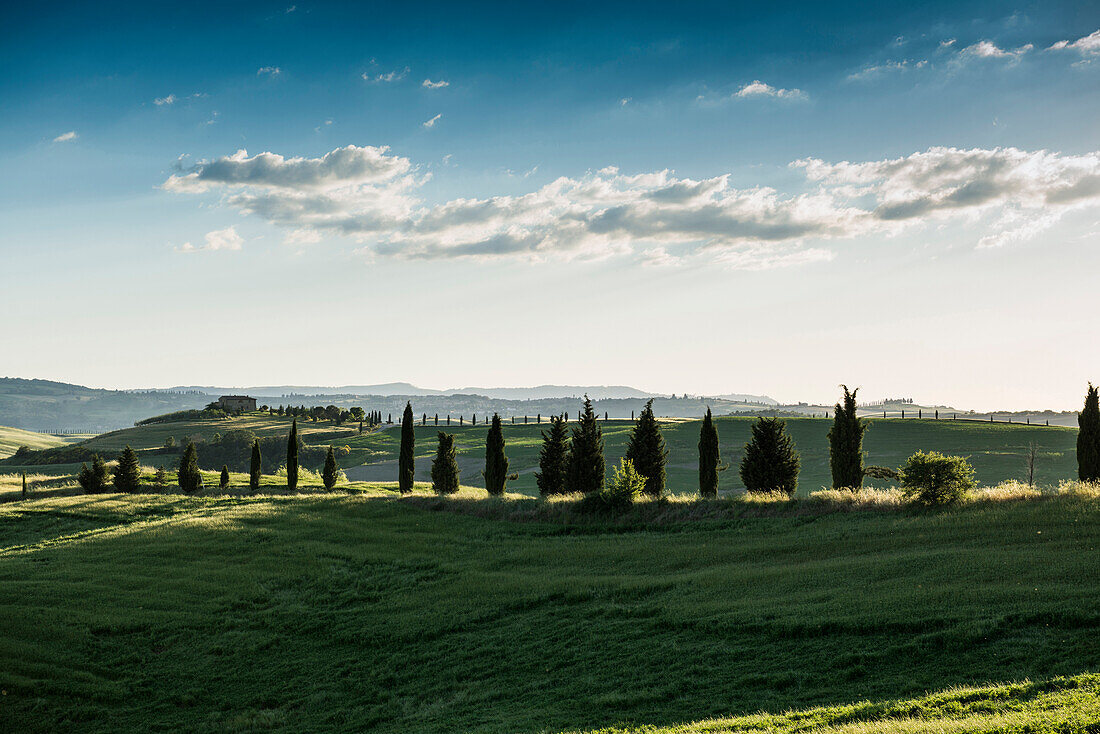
(996, 449)
(12, 438)
(355, 612)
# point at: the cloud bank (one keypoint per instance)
(369, 194)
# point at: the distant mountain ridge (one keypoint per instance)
(539, 392)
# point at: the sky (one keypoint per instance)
(683, 197)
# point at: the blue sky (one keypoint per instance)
(683, 197)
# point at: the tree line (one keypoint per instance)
(572, 460)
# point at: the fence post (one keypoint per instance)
(920, 413)
(937, 414)
(903, 414)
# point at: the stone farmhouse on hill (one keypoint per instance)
(237, 403)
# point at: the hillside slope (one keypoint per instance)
(340, 613)
(996, 450)
(12, 438)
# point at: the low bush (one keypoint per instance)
(935, 479)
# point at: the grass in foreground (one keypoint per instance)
(349, 612)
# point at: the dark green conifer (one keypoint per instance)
(771, 462)
(189, 478)
(331, 472)
(586, 460)
(128, 472)
(93, 480)
(408, 446)
(445, 465)
(496, 462)
(223, 482)
(255, 468)
(552, 476)
(292, 457)
(646, 450)
(846, 443)
(1088, 438)
(709, 457)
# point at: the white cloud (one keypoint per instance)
(659, 217)
(269, 70)
(1086, 45)
(220, 239)
(990, 50)
(429, 84)
(170, 99)
(874, 71)
(431, 123)
(389, 76)
(625, 101)
(759, 89)
(350, 165)
(66, 137)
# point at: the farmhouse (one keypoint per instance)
(236, 403)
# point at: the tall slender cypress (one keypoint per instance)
(445, 465)
(224, 479)
(496, 462)
(553, 474)
(408, 446)
(846, 443)
(256, 467)
(292, 457)
(708, 457)
(586, 462)
(331, 471)
(1088, 438)
(646, 450)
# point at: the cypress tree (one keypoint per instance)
(496, 462)
(224, 481)
(331, 472)
(708, 457)
(586, 461)
(256, 467)
(646, 450)
(408, 446)
(292, 457)
(128, 472)
(1088, 438)
(771, 462)
(445, 467)
(189, 478)
(24, 485)
(554, 460)
(846, 443)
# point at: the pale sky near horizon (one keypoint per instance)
(688, 197)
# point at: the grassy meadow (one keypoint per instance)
(361, 611)
(12, 438)
(995, 449)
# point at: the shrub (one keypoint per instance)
(160, 479)
(223, 482)
(934, 479)
(771, 461)
(626, 486)
(93, 480)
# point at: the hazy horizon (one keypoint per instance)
(705, 198)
